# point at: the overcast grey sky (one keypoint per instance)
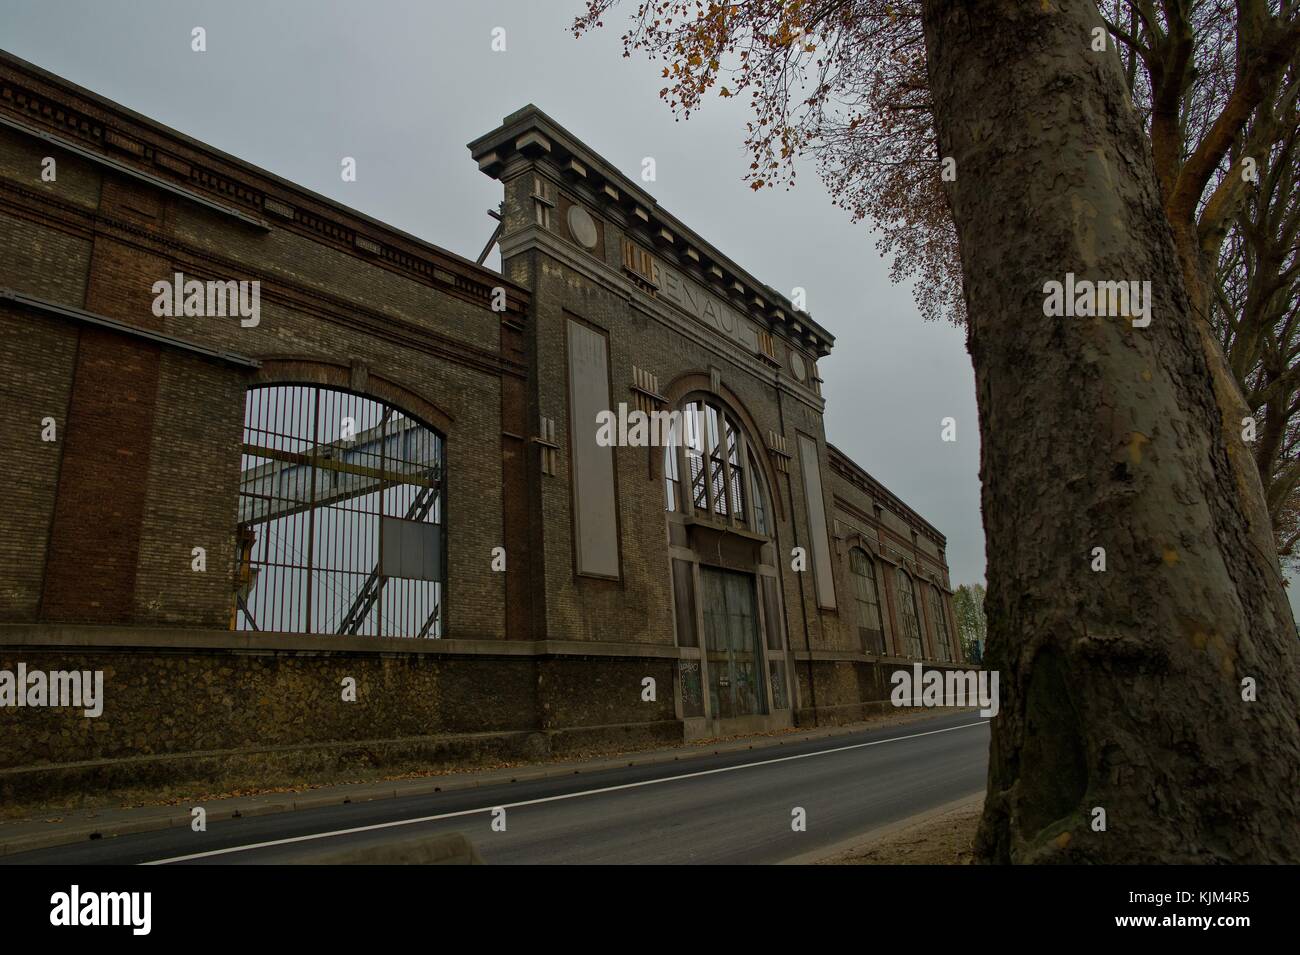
(293, 86)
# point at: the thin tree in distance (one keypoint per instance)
(972, 625)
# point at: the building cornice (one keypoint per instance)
(855, 474)
(202, 263)
(52, 109)
(530, 137)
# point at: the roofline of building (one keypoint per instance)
(533, 134)
(892, 500)
(127, 140)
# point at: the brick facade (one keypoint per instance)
(96, 544)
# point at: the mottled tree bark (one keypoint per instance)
(1123, 689)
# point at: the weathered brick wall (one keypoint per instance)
(35, 377)
(185, 701)
(190, 495)
(95, 533)
(40, 260)
(149, 453)
(77, 181)
(637, 608)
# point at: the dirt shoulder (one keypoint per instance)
(942, 836)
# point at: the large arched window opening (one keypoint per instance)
(911, 618)
(942, 646)
(717, 502)
(341, 517)
(867, 600)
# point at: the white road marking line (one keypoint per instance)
(534, 802)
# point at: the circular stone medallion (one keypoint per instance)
(582, 227)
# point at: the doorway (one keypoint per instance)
(731, 641)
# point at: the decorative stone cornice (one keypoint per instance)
(530, 136)
(854, 473)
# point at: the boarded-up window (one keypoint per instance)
(810, 465)
(684, 603)
(595, 508)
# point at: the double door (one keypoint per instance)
(732, 644)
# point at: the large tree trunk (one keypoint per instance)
(1122, 690)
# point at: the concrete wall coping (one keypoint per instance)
(824, 656)
(82, 636)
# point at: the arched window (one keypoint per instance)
(722, 482)
(910, 617)
(711, 477)
(341, 516)
(942, 646)
(867, 599)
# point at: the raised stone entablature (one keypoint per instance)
(660, 254)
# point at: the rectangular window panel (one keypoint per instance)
(737, 494)
(694, 445)
(810, 465)
(672, 483)
(772, 615)
(412, 549)
(760, 509)
(595, 506)
(684, 603)
(873, 641)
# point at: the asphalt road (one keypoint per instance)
(731, 808)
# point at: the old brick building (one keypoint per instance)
(389, 470)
